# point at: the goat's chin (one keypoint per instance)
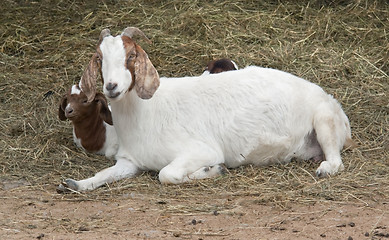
(114, 96)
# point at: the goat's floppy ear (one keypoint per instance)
(89, 78)
(146, 76)
(104, 111)
(62, 106)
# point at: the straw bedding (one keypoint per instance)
(342, 46)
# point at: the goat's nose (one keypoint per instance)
(111, 86)
(68, 110)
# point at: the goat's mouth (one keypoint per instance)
(70, 116)
(113, 95)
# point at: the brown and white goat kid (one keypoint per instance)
(189, 128)
(220, 65)
(92, 122)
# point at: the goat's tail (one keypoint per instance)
(349, 143)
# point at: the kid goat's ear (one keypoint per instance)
(61, 109)
(104, 111)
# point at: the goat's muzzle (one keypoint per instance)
(111, 90)
(69, 112)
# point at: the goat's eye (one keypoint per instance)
(131, 57)
(98, 59)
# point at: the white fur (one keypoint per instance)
(253, 115)
(111, 144)
(235, 65)
(75, 90)
(206, 72)
(113, 65)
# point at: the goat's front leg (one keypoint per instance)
(122, 169)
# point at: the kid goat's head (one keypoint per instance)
(75, 107)
(123, 66)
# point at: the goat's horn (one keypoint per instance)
(133, 31)
(104, 33)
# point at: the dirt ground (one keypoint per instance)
(38, 213)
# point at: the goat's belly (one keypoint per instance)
(264, 156)
(279, 150)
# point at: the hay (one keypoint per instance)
(344, 47)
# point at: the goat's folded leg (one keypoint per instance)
(331, 135)
(192, 165)
(173, 175)
(122, 169)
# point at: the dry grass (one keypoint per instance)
(344, 47)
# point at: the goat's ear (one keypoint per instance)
(62, 106)
(104, 111)
(146, 76)
(89, 78)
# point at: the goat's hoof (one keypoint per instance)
(322, 174)
(327, 169)
(223, 169)
(69, 185)
(219, 169)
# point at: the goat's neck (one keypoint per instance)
(129, 108)
(91, 131)
(133, 116)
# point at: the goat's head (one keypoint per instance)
(221, 65)
(123, 65)
(76, 107)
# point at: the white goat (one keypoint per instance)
(191, 127)
(92, 122)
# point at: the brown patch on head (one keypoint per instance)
(130, 48)
(145, 76)
(221, 65)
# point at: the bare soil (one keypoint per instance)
(31, 213)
